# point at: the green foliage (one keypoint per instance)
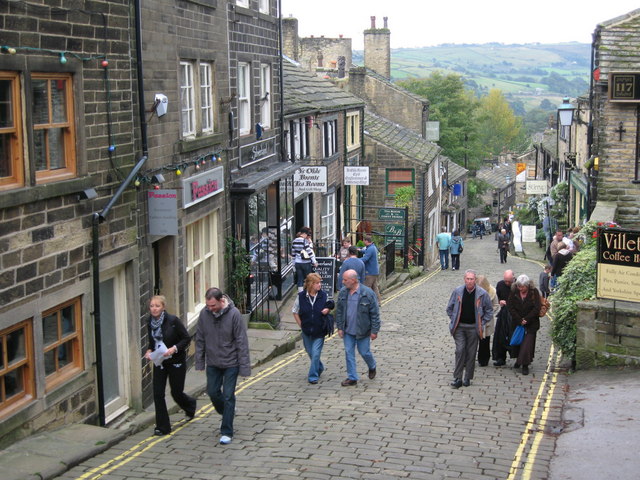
(475, 189)
(498, 127)
(541, 238)
(239, 269)
(560, 194)
(577, 283)
(404, 197)
(527, 216)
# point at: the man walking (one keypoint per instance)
(372, 269)
(222, 344)
(358, 322)
(352, 263)
(443, 242)
(503, 245)
(469, 309)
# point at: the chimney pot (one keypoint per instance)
(373, 22)
(385, 22)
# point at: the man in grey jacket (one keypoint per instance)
(222, 344)
(469, 310)
(358, 322)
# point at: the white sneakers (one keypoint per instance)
(224, 440)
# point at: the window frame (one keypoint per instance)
(65, 373)
(197, 99)
(398, 183)
(329, 138)
(244, 98)
(14, 133)
(265, 95)
(187, 99)
(353, 130)
(206, 83)
(328, 219)
(299, 138)
(242, 3)
(263, 6)
(27, 366)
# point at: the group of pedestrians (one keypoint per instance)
(449, 244)
(471, 310)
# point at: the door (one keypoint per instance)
(113, 334)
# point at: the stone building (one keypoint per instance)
(68, 142)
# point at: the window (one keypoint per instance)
(353, 130)
(264, 6)
(329, 138)
(62, 340)
(196, 98)
(328, 220)
(201, 263)
(299, 138)
(16, 365)
(265, 96)
(244, 106)
(397, 178)
(52, 131)
(242, 3)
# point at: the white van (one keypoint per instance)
(486, 221)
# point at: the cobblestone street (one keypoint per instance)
(406, 423)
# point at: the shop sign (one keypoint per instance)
(163, 212)
(618, 271)
(199, 187)
(391, 214)
(310, 180)
(356, 175)
(327, 270)
(257, 151)
(624, 87)
(537, 187)
(396, 232)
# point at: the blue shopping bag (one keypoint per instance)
(517, 336)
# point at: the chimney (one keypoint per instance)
(290, 39)
(377, 48)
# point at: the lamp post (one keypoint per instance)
(565, 116)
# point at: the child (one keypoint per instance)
(543, 281)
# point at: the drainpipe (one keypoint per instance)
(283, 152)
(98, 218)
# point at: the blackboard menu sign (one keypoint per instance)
(327, 270)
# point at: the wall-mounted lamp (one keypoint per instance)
(565, 112)
(157, 178)
(88, 194)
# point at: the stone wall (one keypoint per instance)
(608, 333)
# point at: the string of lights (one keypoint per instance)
(151, 176)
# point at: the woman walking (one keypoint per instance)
(309, 309)
(484, 345)
(524, 307)
(455, 249)
(167, 333)
(303, 256)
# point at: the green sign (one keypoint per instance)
(395, 231)
(391, 214)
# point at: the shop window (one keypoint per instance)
(51, 132)
(197, 110)
(397, 178)
(62, 341)
(16, 366)
(329, 138)
(201, 264)
(353, 130)
(265, 95)
(244, 103)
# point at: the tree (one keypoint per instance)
(498, 128)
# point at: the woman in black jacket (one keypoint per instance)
(524, 307)
(166, 331)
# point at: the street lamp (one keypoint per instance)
(565, 112)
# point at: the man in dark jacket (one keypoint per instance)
(222, 344)
(502, 331)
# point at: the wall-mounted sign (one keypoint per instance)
(257, 151)
(618, 271)
(391, 214)
(356, 175)
(624, 87)
(163, 212)
(396, 232)
(327, 270)
(310, 180)
(529, 233)
(433, 131)
(537, 187)
(202, 186)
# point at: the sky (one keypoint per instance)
(417, 23)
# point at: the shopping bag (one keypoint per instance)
(517, 336)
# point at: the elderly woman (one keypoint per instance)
(308, 310)
(524, 307)
(484, 345)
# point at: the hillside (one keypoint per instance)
(526, 74)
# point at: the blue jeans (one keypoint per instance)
(313, 346)
(363, 344)
(302, 270)
(444, 259)
(221, 388)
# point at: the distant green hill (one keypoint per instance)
(526, 74)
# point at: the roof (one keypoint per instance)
(399, 138)
(304, 92)
(455, 172)
(390, 84)
(496, 175)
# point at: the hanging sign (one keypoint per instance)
(163, 212)
(536, 187)
(356, 175)
(310, 180)
(202, 186)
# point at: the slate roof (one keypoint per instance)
(390, 84)
(456, 172)
(399, 138)
(496, 175)
(306, 93)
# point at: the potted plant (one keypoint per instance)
(239, 271)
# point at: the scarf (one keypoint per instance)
(156, 327)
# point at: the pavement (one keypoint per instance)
(590, 434)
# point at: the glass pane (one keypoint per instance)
(56, 148)
(50, 361)
(65, 354)
(6, 169)
(68, 321)
(59, 100)
(197, 283)
(40, 109)
(13, 384)
(206, 232)
(50, 329)
(40, 150)
(196, 242)
(16, 346)
(6, 104)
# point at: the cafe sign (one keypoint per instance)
(356, 175)
(310, 180)
(618, 271)
(199, 187)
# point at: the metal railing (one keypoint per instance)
(390, 258)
